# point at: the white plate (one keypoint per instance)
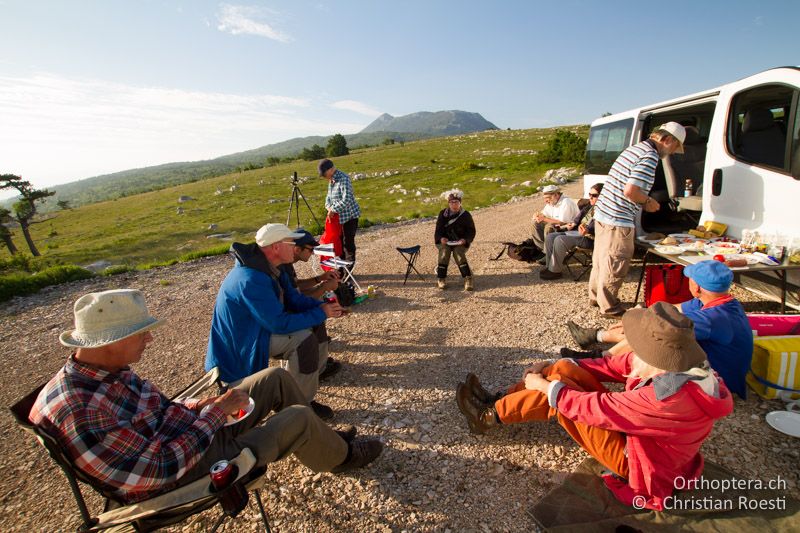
(453, 243)
(643, 238)
(724, 248)
(724, 239)
(250, 407)
(785, 421)
(751, 260)
(680, 236)
(669, 250)
(693, 246)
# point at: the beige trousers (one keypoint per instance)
(611, 260)
(294, 428)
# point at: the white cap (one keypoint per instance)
(551, 189)
(272, 233)
(677, 131)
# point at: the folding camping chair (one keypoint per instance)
(410, 254)
(346, 267)
(583, 257)
(159, 511)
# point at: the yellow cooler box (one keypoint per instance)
(775, 371)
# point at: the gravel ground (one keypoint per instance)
(405, 350)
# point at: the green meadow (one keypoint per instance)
(154, 228)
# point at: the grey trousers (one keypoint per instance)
(459, 254)
(540, 231)
(294, 428)
(558, 244)
(611, 260)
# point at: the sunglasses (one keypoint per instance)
(594, 195)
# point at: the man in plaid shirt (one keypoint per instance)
(341, 201)
(120, 430)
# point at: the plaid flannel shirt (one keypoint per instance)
(120, 430)
(341, 198)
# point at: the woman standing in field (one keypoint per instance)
(455, 231)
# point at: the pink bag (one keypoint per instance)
(774, 325)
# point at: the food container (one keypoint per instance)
(714, 248)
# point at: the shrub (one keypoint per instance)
(117, 269)
(216, 250)
(563, 147)
(20, 283)
(365, 223)
(472, 166)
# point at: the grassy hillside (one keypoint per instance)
(148, 227)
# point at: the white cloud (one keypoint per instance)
(249, 20)
(356, 107)
(58, 129)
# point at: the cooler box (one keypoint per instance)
(775, 370)
(774, 325)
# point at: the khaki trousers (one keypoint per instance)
(611, 260)
(281, 345)
(294, 428)
(540, 231)
(523, 405)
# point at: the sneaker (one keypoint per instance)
(440, 283)
(547, 274)
(361, 452)
(332, 366)
(574, 354)
(322, 411)
(583, 336)
(348, 433)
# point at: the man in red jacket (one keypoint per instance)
(649, 434)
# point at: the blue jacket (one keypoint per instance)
(248, 311)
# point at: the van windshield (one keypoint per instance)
(606, 142)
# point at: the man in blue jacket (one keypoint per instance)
(259, 314)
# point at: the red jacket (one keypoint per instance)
(663, 437)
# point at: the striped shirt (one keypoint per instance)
(341, 198)
(637, 166)
(120, 430)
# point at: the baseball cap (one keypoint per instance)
(272, 233)
(306, 240)
(713, 276)
(677, 131)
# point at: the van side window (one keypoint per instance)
(757, 128)
(795, 155)
(606, 142)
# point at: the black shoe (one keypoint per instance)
(574, 354)
(322, 411)
(348, 433)
(332, 366)
(547, 274)
(480, 418)
(583, 336)
(481, 394)
(361, 452)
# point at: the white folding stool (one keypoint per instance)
(326, 251)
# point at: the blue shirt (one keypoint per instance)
(341, 198)
(724, 333)
(248, 311)
(636, 166)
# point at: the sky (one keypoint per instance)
(91, 87)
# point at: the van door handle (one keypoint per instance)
(716, 182)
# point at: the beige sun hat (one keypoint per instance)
(272, 233)
(102, 318)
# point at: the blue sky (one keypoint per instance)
(96, 86)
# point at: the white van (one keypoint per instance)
(741, 160)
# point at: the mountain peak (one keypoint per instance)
(453, 122)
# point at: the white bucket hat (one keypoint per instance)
(102, 318)
(272, 233)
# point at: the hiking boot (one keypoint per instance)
(440, 283)
(583, 336)
(348, 433)
(480, 418)
(360, 453)
(322, 411)
(468, 283)
(574, 354)
(478, 392)
(547, 274)
(332, 366)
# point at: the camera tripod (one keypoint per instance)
(294, 203)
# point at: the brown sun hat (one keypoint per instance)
(663, 337)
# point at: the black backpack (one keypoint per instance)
(525, 251)
(345, 294)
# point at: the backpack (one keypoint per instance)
(345, 294)
(525, 251)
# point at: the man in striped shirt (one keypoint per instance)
(625, 192)
(341, 201)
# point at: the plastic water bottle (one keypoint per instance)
(687, 190)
